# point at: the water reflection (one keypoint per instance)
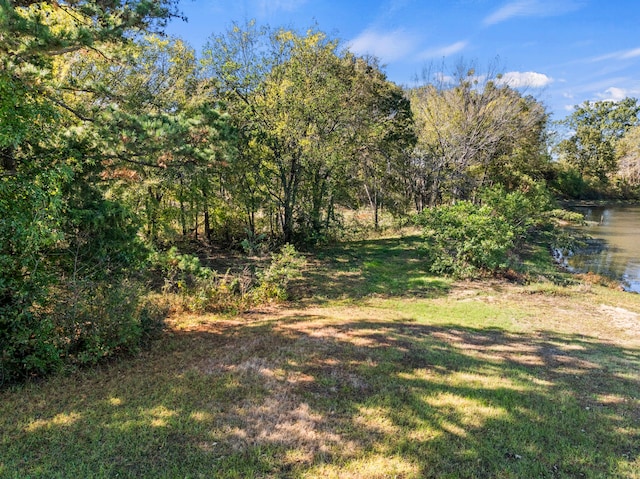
(616, 249)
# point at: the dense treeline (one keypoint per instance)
(116, 144)
(600, 156)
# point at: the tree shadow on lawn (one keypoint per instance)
(383, 267)
(311, 396)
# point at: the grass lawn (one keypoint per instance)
(378, 370)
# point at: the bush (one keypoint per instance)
(62, 248)
(100, 320)
(83, 323)
(28, 345)
(569, 183)
(273, 281)
(465, 239)
(468, 240)
(200, 289)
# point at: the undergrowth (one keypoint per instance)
(193, 287)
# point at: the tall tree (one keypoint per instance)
(383, 137)
(628, 156)
(46, 197)
(595, 129)
(469, 126)
(301, 107)
(161, 138)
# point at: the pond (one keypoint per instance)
(615, 251)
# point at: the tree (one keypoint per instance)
(32, 33)
(161, 139)
(383, 138)
(473, 131)
(302, 109)
(628, 157)
(595, 129)
(48, 201)
(34, 30)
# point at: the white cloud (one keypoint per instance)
(531, 8)
(525, 79)
(619, 55)
(387, 46)
(444, 51)
(615, 94)
(631, 54)
(513, 9)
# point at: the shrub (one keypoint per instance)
(100, 320)
(28, 345)
(273, 281)
(570, 183)
(83, 323)
(200, 289)
(467, 239)
(253, 243)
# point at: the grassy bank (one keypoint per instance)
(379, 370)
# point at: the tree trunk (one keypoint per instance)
(290, 181)
(207, 223)
(319, 191)
(376, 209)
(183, 219)
(153, 204)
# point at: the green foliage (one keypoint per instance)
(95, 321)
(569, 183)
(197, 288)
(178, 270)
(28, 345)
(567, 216)
(274, 280)
(39, 29)
(467, 239)
(524, 212)
(596, 129)
(253, 243)
(68, 249)
(65, 256)
(31, 205)
(314, 124)
(84, 323)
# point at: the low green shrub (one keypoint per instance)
(199, 289)
(254, 242)
(28, 345)
(469, 240)
(274, 280)
(465, 240)
(100, 320)
(86, 323)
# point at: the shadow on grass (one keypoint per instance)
(382, 267)
(309, 396)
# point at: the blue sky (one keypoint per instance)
(564, 52)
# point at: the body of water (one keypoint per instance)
(615, 251)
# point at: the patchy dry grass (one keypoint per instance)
(369, 380)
